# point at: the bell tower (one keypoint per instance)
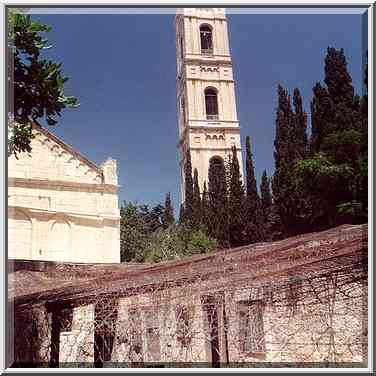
(208, 123)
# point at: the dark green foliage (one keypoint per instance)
(254, 219)
(281, 142)
(153, 217)
(133, 232)
(282, 156)
(168, 213)
(322, 113)
(181, 214)
(337, 77)
(266, 196)
(205, 205)
(290, 147)
(250, 173)
(236, 201)
(197, 208)
(332, 179)
(37, 85)
(188, 203)
(273, 226)
(298, 144)
(218, 210)
(325, 185)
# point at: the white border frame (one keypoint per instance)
(153, 3)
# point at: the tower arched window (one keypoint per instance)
(211, 103)
(206, 37)
(216, 161)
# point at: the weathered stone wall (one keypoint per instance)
(298, 301)
(306, 330)
(77, 344)
(293, 331)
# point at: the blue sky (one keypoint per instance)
(122, 68)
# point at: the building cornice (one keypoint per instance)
(210, 79)
(214, 148)
(219, 122)
(62, 185)
(80, 214)
(198, 58)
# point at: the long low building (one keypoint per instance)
(298, 302)
(61, 206)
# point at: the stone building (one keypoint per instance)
(208, 122)
(297, 302)
(61, 206)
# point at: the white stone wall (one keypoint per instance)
(61, 206)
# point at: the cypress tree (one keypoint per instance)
(205, 207)
(282, 154)
(266, 196)
(251, 180)
(254, 229)
(168, 212)
(197, 209)
(236, 203)
(337, 77)
(322, 115)
(188, 203)
(217, 189)
(299, 142)
(182, 219)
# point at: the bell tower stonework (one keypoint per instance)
(208, 123)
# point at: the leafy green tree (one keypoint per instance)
(168, 213)
(197, 206)
(37, 84)
(236, 203)
(176, 243)
(164, 245)
(134, 233)
(254, 223)
(188, 203)
(218, 212)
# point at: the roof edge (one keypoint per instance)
(70, 149)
